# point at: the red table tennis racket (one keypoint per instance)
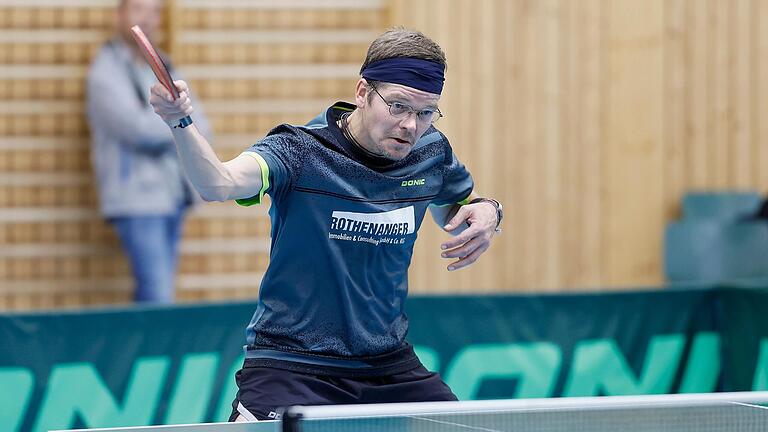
(158, 67)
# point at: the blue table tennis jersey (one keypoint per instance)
(343, 230)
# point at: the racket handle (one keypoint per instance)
(186, 121)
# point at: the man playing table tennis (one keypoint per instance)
(349, 192)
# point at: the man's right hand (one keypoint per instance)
(170, 110)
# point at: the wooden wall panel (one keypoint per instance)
(588, 119)
(759, 101)
(70, 15)
(195, 15)
(605, 113)
(633, 144)
(675, 95)
(254, 65)
(524, 111)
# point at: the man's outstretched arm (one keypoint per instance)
(214, 180)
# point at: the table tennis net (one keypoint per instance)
(716, 412)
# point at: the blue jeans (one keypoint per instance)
(151, 243)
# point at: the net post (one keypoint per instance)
(290, 419)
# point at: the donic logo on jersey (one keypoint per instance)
(389, 227)
(418, 182)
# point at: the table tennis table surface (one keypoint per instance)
(746, 412)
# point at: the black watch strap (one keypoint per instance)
(186, 121)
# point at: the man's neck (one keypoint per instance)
(355, 129)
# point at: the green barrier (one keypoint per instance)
(140, 366)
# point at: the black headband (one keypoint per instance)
(412, 72)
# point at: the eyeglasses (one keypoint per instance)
(397, 109)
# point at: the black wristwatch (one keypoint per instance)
(499, 209)
(186, 121)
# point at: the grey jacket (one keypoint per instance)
(132, 150)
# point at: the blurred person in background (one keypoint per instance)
(142, 189)
(349, 191)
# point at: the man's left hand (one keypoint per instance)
(476, 239)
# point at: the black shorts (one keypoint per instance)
(262, 391)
